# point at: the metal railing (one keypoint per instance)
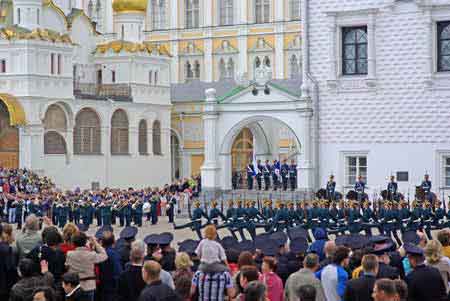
(113, 91)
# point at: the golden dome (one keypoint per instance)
(129, 5)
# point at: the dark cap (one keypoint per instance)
(165, 238)
(298, 232)
(411, 249)
(377, 239)
(188, 246)
(101, 230)
(342, 240)
(411, 237)
(299, 245)
(128, 232)
(319, 233)
(151, 239)
(261, 239)
(270, 248)
(83, 227)
(247, 245)
(358, 241)
(279, 237)
(229, 242)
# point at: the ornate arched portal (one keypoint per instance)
(175, 153)
(11, 116)
(242, 150)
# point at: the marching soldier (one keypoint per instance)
(426, 186)
(127, 212)
(284, 174)
(390, 221)
(331, 189)
(368, 218)
(292, 214)
(438, 215)
(281, 219)
(405, 216)
(415, 217)
(106, 212)
(427, 218)
(354, 218)
(138, 212)
(196, 220)
(252, 218)
(392, 188)
(250, 173)
(267, 170)
(154, 207)
(63, 213)
(359, 188)
(293, 175)
(215, 214)
(259, 174)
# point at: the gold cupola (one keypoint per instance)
(123, 6)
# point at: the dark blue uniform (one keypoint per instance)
(284, 175)
(259, 175)
(359, 188)
(293, 176)
(331, 189)
(267, 170)
(392, 190)
(250, 173)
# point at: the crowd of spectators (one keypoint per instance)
(43, 263)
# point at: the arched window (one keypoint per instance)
(262, 11)
(294, 9)
(55, 118)
(156, 137)
(192, 13)
(156, 78)
(226, 12)
(294, 66)
(257, 62)
(86, 134)
(189, 72)
(222, 69)
(159, 14)
(119, 133)
(54, 143)
(18, 16)
(150, 76)
(197, 70)
(444, 46)
(266, 61)
(230, 68)
(143, 148)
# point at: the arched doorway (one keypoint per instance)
(241, 154)
(175, 156)
(9, 139)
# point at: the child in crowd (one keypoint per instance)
(211, 253)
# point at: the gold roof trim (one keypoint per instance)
(119, 45)
(18, 33)
(15, 109)
(51, 4)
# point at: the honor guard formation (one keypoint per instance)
(318, 249)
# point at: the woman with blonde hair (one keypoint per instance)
(434, 258)
(183, 275)
(69, 230)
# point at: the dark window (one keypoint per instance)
(54, 143)
(402, 176)
(143, 149)
(119, 133)
(59, 63)
(443, 46)
(3, 66)
(156, 137)
(87, 133)
(52, 63)
(113, 76)
(354, 50)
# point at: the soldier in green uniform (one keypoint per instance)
(253, 218)
(196, 220)
(354, 218)
(106, 213)
(438, 216)
(63, 213)
(416, 216)
(368, 218)
(427, 218)
(404, 216)
(138, 212)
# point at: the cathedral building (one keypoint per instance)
(85, 108)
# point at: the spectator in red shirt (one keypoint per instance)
(271, 280)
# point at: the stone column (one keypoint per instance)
(225, 161)
(106, 151)
(243, 55)
(209, 170)
(305, 49)
(24, 147)
(305, 167)
(279, 51)
(69, 145)
(208, 65)
(133, 139)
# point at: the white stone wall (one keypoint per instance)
(69, 170)
(400, 116)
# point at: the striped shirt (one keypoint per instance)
(211, 286)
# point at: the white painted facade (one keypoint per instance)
(36, 85)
